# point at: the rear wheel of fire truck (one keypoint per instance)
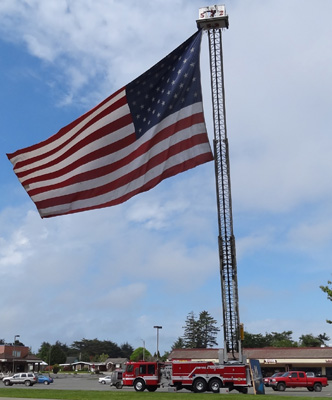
(139, 385)
(215, 385)
(317, 387)
(152, 388)
(199, 385)
(281, 387)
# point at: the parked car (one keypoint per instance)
(266, 380)
(46, 380)
(24, 378)
(105, 380)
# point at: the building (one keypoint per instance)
(272, 359)
(111, 364)
(16, 358)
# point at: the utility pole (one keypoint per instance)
(143, 349)
(14, 352)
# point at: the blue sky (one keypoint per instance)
(113, 274)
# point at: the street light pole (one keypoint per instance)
(158, 327)
(15, 337)
(143, 349)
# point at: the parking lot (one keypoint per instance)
(90, 382)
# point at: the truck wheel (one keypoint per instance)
(215, 385)
(118, 385)
(281, 387)
(199, 385)
(139, 385)
(317, 387)
(27, 383)
(7, 383)
(152, 388)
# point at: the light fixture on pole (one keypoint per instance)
(14, 352)
(158, 327)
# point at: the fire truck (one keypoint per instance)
(231, 372)
(196, 376)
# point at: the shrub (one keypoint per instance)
(56, 368)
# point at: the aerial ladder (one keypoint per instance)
(213, 20)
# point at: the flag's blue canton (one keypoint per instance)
(168, 86)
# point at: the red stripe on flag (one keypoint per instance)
(142, 170)
(114, 165)
(62, 132)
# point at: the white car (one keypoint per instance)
(105, 379)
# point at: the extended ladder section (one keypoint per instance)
(213, 19)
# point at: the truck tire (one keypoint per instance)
(317, 387)
(139, 385)
(152, 388)
(27, 383)
(215, 385)
(7, 383)
(281, 387)
(118, 385)
(199, 385)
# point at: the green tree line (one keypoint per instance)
(88, 350)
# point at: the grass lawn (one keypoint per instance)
(116, 395)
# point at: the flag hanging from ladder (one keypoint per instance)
(151, 129)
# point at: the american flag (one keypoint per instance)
(149, 130)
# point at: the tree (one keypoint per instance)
(207, 330)
(126, 350)
(309, 340)
(273, 339)
(96, 347)
(102, 358)
(58, 355)
(178, 344)
(201, 332)
(254, 340)
(190, 331)
(141, 353)
(328, 290)
(44, 352)
(283, 339)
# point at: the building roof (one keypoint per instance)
(27, 358)
(256, 353)
(289, 352)
(116, 360)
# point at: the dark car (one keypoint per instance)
(46, 380)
